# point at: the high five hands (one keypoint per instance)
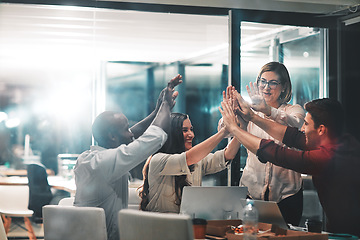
(234, 109)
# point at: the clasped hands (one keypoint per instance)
(235, 111)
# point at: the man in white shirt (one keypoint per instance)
(102, 173)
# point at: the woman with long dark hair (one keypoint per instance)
(179, 164)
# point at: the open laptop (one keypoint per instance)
(213, 203)
(269, 212)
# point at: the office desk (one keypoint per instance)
(54, 181)
(20, 172)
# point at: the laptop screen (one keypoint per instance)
(213, 203)
(269, 212)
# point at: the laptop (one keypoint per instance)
(213, 203)
(269, 212)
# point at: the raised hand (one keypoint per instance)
(244, 109)
(227, 97)
(174, 81)
(228, 115)
(257, 98)
(168, 93)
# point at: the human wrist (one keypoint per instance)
(166, 104)
(268, 111)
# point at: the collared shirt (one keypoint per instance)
(162, 171)
(102, 175)
(335, 174)
(259, 177)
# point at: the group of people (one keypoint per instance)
(269, 129)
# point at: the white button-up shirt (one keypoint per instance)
(102, 177)
(258, 176)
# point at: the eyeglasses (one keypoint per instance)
(272, 84)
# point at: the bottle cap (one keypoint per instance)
(250, 201)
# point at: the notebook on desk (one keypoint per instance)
(213, 203)
(269, 212)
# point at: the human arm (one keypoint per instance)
(115, 162)
(267, 151)
(139, 128)
(306, 162)
(201, 150)
(232, 149)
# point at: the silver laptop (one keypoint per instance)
(269, 212)
(213, 203)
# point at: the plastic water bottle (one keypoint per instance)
(250, 221)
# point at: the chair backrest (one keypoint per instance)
(134, 199)
(39, 189)
(2, 231)
(14, 200)
(74, 223)
(68, 201)
(139, 225)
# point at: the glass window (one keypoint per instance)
(194, 46)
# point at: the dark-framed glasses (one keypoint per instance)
(272, 83)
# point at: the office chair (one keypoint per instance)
(74, 223)
(68, 201)
(140, 225)
(134, 199)
(2, 231)
(39, 190)
(13, 203)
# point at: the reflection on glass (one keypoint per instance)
(305, 77)
(133, 86)
(51, 58)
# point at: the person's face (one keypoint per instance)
(311, 134)
(269, 84)
(122, 133)
(188, 133)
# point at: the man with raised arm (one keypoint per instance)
(331, 157)
(102, 173)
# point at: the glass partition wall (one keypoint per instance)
(195, 47)
(60, 66)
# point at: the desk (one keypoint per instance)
(54, 181)
(20, 172)
(62, 184)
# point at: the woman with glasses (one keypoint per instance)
(270, 96)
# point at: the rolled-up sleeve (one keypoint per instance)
(293, 117)
(169, 164)
(214, 162)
